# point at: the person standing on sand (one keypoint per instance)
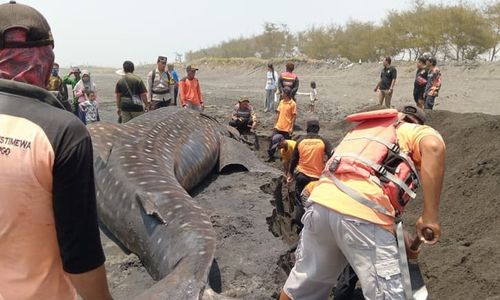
(131, 94)
(385, 86)
(175, 81)
(433, 83)
(190, 91)
(271, 85)
(290, 80)
(82, 90)
(420, 82)
(159, 85)
(49, 238)
(286, 114)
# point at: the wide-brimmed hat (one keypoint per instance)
(244, 99)
(191, 68)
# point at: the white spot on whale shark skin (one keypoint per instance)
(143, 182)
(132, 206)
(177, 206)
(131, 173)
(202, 252)
(158, 241)
(124, 195)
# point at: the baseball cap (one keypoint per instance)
(244, 99)
(14, 15)
(416, 114)
(276, 140)
(191, 67)
(162, 59)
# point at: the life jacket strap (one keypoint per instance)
(403, 259)
(357, 196)
(380, 169)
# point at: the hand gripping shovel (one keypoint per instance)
(419, 290)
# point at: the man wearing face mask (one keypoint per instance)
(49, 238)
(57, 86)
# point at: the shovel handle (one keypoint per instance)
(428, 234)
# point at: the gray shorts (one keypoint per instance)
(328, 242)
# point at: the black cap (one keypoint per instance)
(416, 114)
(312, 125)
(13, 15)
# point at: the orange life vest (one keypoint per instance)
(288, 79)
(371, 150)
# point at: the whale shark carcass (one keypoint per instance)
(143, 170)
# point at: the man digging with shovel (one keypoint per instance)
(355, 215)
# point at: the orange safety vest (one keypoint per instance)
(371, 150)
(288, 79)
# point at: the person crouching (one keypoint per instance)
(243, 117)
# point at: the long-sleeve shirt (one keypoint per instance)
(190, 91)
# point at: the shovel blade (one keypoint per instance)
(417, 281)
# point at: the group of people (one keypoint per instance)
(133, 97)
(49, 237)
(426, 87)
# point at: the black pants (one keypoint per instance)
(301, 180)
(243, 126)
(346, 284)
(176, 92)
(270, 151)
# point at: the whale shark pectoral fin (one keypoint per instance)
(148, 204)
(103, 134)
(233, 153)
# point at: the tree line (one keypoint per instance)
(452, 32)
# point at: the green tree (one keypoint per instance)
(493, 19)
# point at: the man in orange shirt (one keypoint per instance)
(189, 90)
(50, 246)
(309, 160)
(286, 114)
(352, 218)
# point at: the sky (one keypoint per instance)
(107, 32)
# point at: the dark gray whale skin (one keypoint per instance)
(143, 170)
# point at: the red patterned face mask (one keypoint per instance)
(30, 65)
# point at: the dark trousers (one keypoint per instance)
(346, 284)
(429, 102)
(301, 180)
(176, 92)
(243, 126)
(158, 104)
(270, 151)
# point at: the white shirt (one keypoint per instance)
(271, 82)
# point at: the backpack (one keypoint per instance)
(371, 150)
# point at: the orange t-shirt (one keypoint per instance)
(312, 151)
(327, 194)
(190, 91)
(287, 110)
(30, 261)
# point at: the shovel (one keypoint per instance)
(417, 281)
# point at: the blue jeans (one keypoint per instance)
(429, 102)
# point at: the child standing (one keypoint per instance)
(91, 108)
(313, 96)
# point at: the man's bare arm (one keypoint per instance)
(92, 285)
(432, 167)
